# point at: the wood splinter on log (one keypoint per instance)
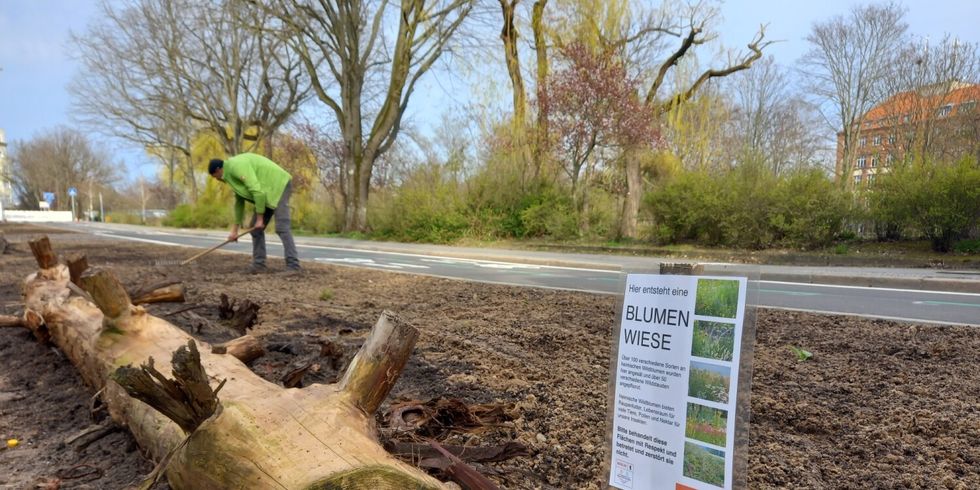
(263, 436)
(245, 348)
(187, 399)
(173, 292)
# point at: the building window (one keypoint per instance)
(862, 162)
(871, 179)
(905, 118)
(876, 141)
(891, 139)
(857, 179)
(874, 161)
(889, 159)
(967, 107)
(945, 110)
(862, 141)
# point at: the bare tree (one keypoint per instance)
(157, 72)
(769, 122)
(932, 108)
(55, 161)
(690, 23)
(847, 66)
(365, 71)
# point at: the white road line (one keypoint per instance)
(869, 287)
(876, 317)
(410, 266)
(145, 240)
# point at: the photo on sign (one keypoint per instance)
(713, 340)
(704, 464)
(706, 424)
(716, 297)
(709, 382)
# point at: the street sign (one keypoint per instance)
(72, 192)
(49, 198)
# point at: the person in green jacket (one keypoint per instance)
(256, 179)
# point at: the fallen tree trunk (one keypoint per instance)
(261, 436)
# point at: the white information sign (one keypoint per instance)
(676, 382)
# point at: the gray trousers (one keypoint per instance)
(284, 229)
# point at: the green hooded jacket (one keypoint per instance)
(256, 179)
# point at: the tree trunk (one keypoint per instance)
(634, 192)
(262, 436)
(77, 264)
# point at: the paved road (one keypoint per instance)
(601, 274)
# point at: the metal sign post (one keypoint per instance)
(72, 192)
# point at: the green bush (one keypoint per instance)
(967, 246)
(427, 207)
(749, 208)
(938, 201)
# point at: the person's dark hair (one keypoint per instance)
(215, 164)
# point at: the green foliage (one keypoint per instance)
(967, 246)
(841, 249)
(713, 340)
(326, 295)
(938, 201)
(704, 464)
(748, 207)
(427, 207)
(717, 297)
(706, 424)
(708, 385)
(800, 353)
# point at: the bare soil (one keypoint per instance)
(880, 405)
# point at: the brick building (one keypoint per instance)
(941, 121)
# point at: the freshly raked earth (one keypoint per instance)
(879, 405)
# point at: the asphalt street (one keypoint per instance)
(596, 274)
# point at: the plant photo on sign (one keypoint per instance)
(709, 382)
(713, 340)
(706, 424)
(704, 464)
(717, 297)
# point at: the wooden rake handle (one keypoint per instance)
(212, 249)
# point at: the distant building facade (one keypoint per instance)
(939, 121)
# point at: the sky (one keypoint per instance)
(36, 65)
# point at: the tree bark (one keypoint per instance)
(262, 436)
(634, 193)
(376, 367)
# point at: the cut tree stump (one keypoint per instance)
(45, 256)
(245, 348)
(241, 315)
(261, 436)
(77, 264)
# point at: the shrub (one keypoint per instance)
(967, 246)
(936, 200)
